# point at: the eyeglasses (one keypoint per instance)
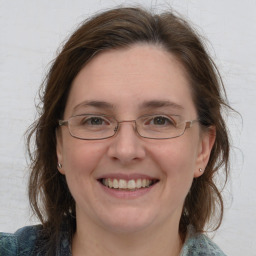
(98, 127)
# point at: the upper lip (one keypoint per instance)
(133, 176)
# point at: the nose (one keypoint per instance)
(126, 146)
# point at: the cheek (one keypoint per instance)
(81, 157)
(177, 160)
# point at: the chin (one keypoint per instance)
(128, 221)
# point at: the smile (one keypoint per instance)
(132, 184)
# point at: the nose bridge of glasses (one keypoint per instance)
(125, 121)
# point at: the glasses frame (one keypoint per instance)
(188, 124)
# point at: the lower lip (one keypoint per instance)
(127, 194)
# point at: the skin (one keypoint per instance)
(146, 224)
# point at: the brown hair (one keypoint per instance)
(49, 195)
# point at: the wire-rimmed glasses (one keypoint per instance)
(98, 127)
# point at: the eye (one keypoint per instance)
(94, 121)
(161, 121)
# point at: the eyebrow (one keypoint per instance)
(94, 103)
(145, 105)
(160, 104)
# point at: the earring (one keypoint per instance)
(201, 170)
(59, 165)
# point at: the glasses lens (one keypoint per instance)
(92, 126)
(159, 127)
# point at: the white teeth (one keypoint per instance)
(138, 183)
(115, 183)
(131, 184)
(122, 184)
(109, 183)
(126, 184)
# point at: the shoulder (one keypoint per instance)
(21, 243)
(199, 244)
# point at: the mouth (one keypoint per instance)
(127, 185)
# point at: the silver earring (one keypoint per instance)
(59, 165)
(201, 170)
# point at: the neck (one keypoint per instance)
(91, 240)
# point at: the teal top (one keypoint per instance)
(24, 242)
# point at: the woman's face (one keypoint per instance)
(126, 84)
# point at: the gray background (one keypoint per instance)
(30, 33)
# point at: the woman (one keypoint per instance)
(128, 144)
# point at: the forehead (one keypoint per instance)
(127, 78)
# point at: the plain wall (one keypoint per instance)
(31, 32)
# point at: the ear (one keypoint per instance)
(204, 151)
(59, 150)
